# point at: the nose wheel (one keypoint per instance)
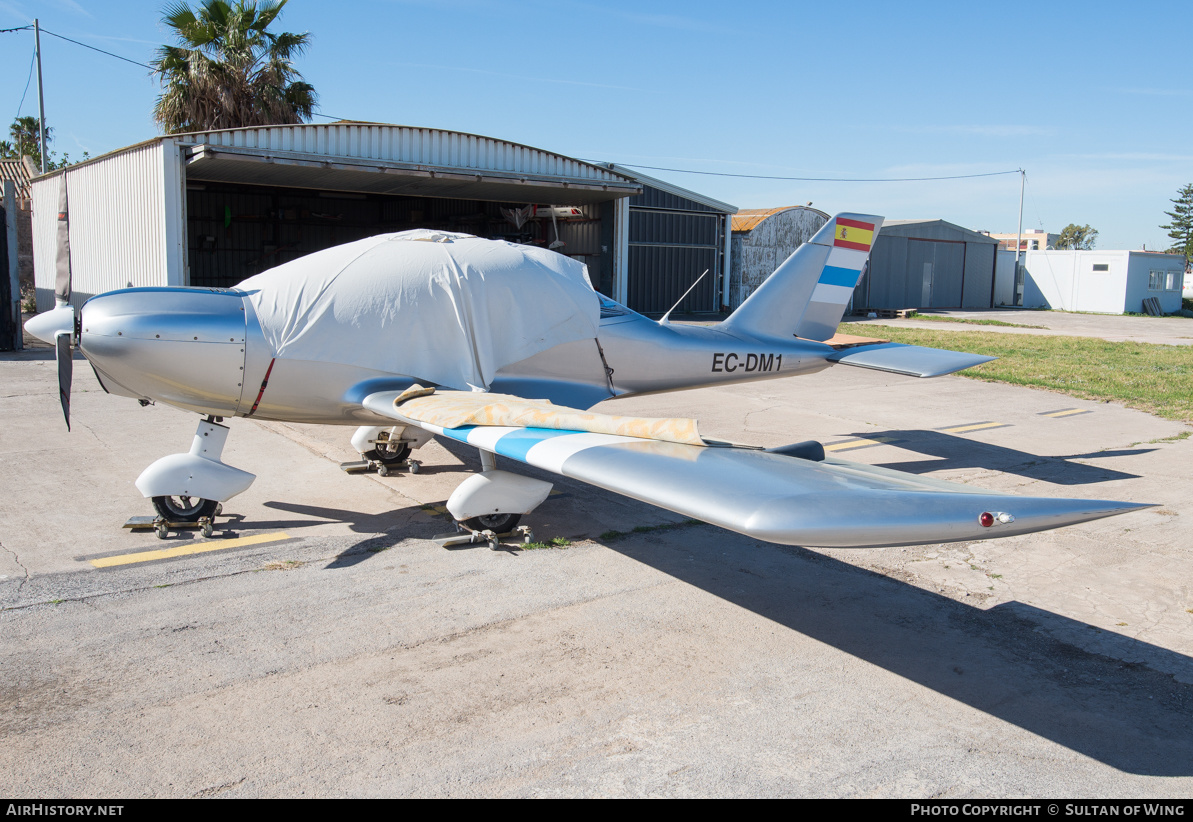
(389, 453)
(497, 523)
(185, 509)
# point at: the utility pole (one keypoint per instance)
(1019, 242)
(41, 97)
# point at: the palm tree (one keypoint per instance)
(25, 133)
(228, 71)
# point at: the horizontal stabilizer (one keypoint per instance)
(913, 360)
(792, 500)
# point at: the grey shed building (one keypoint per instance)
(928, 264)
(762, 239)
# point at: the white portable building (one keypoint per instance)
(1102, 282)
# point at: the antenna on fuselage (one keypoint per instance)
(665, 319)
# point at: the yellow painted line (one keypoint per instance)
(961, 429)
(863, 442)
(1068, 412)
(190, 548)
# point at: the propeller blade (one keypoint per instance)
(65, 371)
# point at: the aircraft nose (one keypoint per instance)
(181, 346)
(48, 325)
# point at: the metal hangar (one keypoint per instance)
(213, 208)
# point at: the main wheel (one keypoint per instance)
(184, 509)
(497, 523)
(389, 453)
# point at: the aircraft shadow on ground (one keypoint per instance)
(1006, 661)
(384, 530)
(1021, 664)
(951, 453)
(1018, 663)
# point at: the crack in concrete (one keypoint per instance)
(760, 411)
(17, 560)
(90, 430)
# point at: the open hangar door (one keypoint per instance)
(236, 231)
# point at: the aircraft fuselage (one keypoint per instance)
(203, 350)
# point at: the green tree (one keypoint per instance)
(228, 71)
(1181, 227)
(26, 140)
(1078, 237)
(26, 143)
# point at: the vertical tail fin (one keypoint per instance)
(806, 295)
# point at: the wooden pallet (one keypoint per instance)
(887, 313)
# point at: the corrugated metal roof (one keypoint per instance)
(749, 218)
(392, 159)
(653, 182)
(907, 228)
(238, 164)
(20, 173)
(406, 144)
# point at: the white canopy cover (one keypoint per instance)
(450, 309)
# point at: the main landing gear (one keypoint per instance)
(492, 503)
(187, 489)
(386, 450)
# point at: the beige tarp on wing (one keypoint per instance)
(456, 408)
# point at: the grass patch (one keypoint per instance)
(646, 529)
(1184, 435)
(1153, 378)
(284, 565)
(935, 319)
(556, 542)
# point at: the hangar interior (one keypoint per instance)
(236, 231)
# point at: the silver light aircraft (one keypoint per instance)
(508, 362)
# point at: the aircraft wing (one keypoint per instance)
(773, 497)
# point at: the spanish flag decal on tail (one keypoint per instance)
(853, 234)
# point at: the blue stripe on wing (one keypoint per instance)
(517, 444)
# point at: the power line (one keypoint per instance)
(820, 179)
(32, 60)
(110, 54)
(18, 28)
(93, 48)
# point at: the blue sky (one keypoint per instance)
(1093, 99)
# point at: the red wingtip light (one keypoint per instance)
(986, 519)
